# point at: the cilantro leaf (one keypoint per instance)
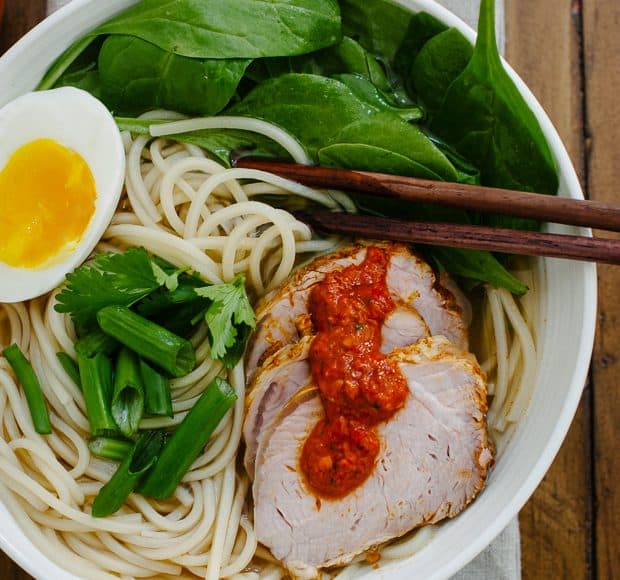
(109, 279)
(170, 281)
(229, 317)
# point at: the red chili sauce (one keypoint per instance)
(359, 386)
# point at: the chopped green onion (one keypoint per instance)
(128, 396)
(157, 396)
(71, 367)
(139, 460)
(110, 448)
(151, 341)
(96, 377)
(95, 342)
(188, 440)
(32, 388)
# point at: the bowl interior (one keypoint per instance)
(564, 341)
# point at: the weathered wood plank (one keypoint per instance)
(544, 47)
(19, 17)
(555, 524)
(602, 73)
(11, 571)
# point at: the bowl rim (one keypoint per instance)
(586, 339)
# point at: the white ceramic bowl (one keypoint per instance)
(566, 323)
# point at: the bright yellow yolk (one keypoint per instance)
(47, 199)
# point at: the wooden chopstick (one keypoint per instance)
(465, 236)
(547, 208)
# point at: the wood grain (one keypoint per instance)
(602, 75)
(544, 208)
(544, 46)
(19, 17)
(452, 235)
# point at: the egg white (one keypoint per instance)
(75, 119)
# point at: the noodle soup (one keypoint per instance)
(205, 530)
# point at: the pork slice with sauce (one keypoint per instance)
(286, 371)
(411, 283)
(277, 381)
(433, 462)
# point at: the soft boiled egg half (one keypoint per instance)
(62, 165)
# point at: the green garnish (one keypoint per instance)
(97, 386)
(157, 395)
(230, 318)
(110, 448)
(152, 342)
(32, 388)
(188, 440)
(170, 281)
(128, 396)
(121, 279)
(139, 460)
(96, 342)
(70, 367)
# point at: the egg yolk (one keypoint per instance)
(47, 199)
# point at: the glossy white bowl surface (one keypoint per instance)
(565, 327)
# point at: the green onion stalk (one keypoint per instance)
(189, 439)
(158, 398)
(97, 386)
(32, 388)
(128, 396)
(134, 466)
(151, 341)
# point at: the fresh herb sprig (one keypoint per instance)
(173, 298)
(229, 318)
(109, 279)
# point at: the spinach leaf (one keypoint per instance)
(311, 107)
(340, 128)
(466, 172)
(485, 118)
(219, 143)
(215, 29)
(477, 265)
(350, 57)
(231, 29)
(351, 64)
(439, 62)
(88, 80)
(378, 25)
(347, 56)
(137, 76)
(83, 73)
(422, 27)
(386, 143)
(368, 20)
(363, 89)
(365, 157)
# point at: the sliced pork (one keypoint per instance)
(281, 376)
(433, 461)
(282, 314)
(287, 370)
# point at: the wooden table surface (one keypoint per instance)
(568, 52)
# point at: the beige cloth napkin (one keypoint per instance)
(502, 559)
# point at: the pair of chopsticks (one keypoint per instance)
(591, 214)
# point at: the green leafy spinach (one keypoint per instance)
(485, 118)
(137, 76)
